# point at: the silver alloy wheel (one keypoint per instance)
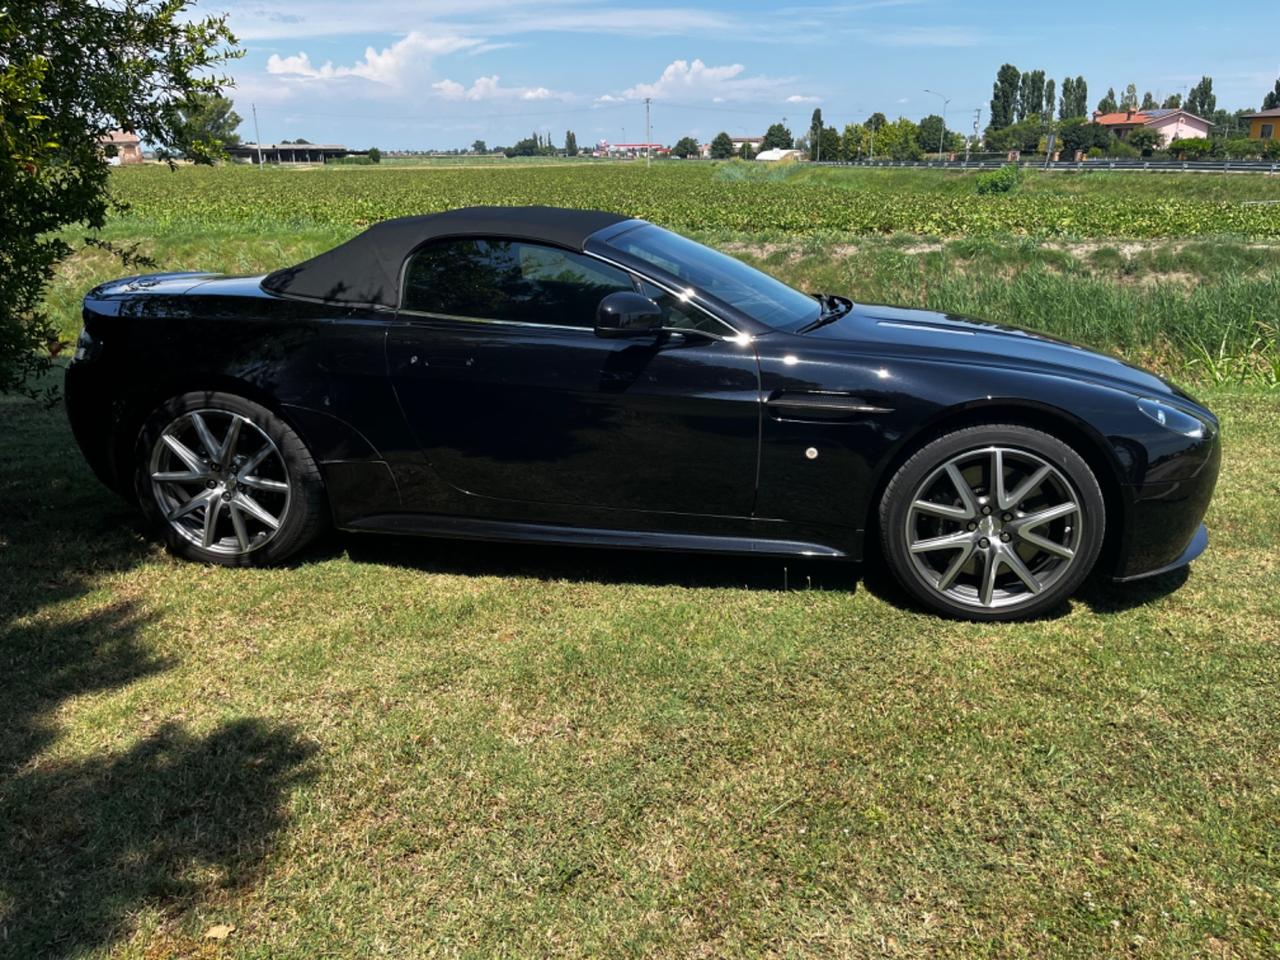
(220, 481)
(994, 527)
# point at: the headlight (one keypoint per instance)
(1171, 418)
(86, 346)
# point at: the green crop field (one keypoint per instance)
(683, 196)
(421, 749)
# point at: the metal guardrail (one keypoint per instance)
(1105, 163)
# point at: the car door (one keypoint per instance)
(515, 400)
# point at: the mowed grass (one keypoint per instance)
(419, 748)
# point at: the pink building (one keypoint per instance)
(1170, 124)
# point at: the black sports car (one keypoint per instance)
(578, 377)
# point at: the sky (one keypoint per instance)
(439, 74)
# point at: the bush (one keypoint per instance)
(1195, 149)
(1004, 180)
(1122, 151)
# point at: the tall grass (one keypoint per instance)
(1200, 312)
(1205, 317)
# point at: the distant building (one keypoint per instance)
(290, 152)
(122, 147)
(634, 149)
(704, 149)
(777, 153)
(1264, 125)
(1170, 124)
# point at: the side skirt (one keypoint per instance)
(465, 528)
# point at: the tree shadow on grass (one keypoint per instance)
(166, 821)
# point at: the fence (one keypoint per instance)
(1102, 163)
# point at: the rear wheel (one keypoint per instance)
(224, 480)
(997, 522)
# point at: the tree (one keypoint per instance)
(479, 146)
(1130, 99)
(1004, 96)
(570, 144)
(932, 133)
(1078, 133)
(777, 137)
(1272, 100)
(1080, 108)
(746, 152)
(70, 73)
(1068, 98)
(899, 140)
(1148, 102)
(685, 147)
(830, 144)
(528, 147)
(853, 142)
(1172, 102)
(1050, 100)
(1108, 103)
(721, 147)
(876, 121)
(374, 155)
(1146, 140)
(205, 118)
(815, 133)
(1030, 93)
(1201, 100)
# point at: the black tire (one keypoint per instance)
(988, 531)
(300, 511)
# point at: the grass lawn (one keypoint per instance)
(422, 748)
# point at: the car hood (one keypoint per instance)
(957, 339)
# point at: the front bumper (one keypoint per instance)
(1199, 543)
(1164, 523)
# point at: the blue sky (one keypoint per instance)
(403, 74)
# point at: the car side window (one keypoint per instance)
(678, 314)
(509, 280)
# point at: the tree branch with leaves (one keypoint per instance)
(71, 71)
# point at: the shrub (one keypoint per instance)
(1194, 149)
(1004, 180)
(1122, 151)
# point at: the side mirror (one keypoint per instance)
(627, 314)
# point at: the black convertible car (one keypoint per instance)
(578, 377)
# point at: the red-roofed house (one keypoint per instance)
(127, 147)
(1170, 124)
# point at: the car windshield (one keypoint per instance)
(745, 288)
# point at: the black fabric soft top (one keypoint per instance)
(366, 269)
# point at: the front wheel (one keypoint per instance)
(224, 480)
(996, 522)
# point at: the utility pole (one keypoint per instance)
(646, 132)
(256, 135)
(977, 119)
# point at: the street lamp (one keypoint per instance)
(943, 132)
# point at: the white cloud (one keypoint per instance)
(389, 66)
(694, 80)
(488, 88)
(798, 98)
(254, 20)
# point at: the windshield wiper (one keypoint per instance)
(833, 308)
